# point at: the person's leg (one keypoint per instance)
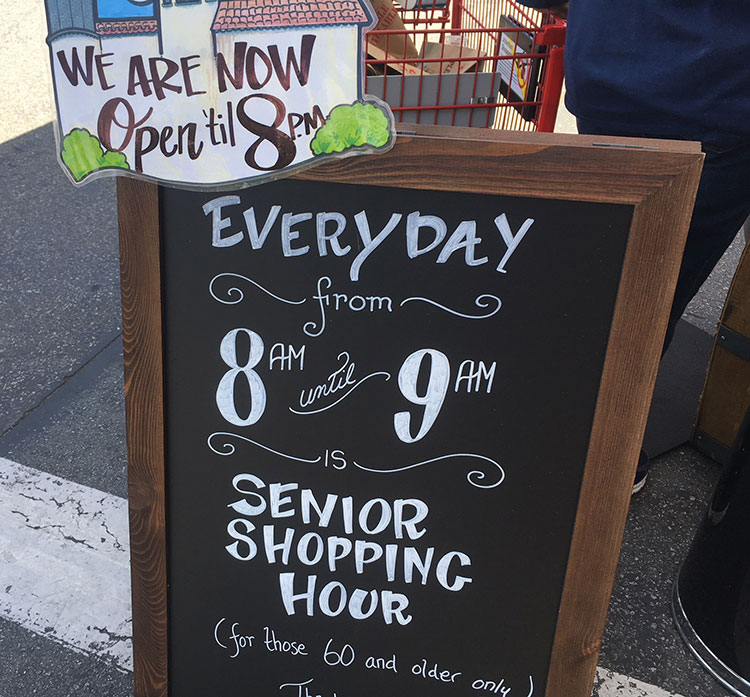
(721, 207)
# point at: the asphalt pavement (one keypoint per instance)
(62, 449)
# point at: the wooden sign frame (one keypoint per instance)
(657, 178)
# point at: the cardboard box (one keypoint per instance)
(448, 54)
(399, 46)
(399, 52)
(394, 63)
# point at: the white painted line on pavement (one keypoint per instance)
(64, 570)
(611, 684)
(64, 562)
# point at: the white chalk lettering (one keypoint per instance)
(434, 672)
(257, 239)
(382, 663)
(495, 687)
(473, 373)
(340, 302)
(277, 500)
(274, 645)
(301, 689)
(338, 380)
(243, 506)
(271, 546)
(225, 392)
(443, 568)
(289, 234)
(334, 599)
(285, 355)
(332, 238)
(403, 519)
(414, 223)
(511, 241)
(431, 400)
(344, 657)
(423, 234)
(238, 641)
(303, 548)
(370, 243)
(213, 208)
(250, 549)
(464, 237)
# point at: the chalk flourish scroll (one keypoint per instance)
(387, 377)
(492, 302)
(221, 443)
(234, 295)
(495, 474)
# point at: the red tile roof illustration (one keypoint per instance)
(237, 15)
(126, 27)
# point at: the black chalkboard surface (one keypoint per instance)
(382, 425)
(375, 451)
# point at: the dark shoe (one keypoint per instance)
(644, 464)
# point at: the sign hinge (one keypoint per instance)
(734, 342)
(711, 447)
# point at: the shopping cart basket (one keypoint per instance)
(481, 63)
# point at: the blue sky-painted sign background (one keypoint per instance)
(125, 8)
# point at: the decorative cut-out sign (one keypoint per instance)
(208, 92)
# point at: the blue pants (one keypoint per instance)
(722, 205)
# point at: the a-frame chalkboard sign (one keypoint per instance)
(383, 417)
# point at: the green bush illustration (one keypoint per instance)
(352, 126)
(82, 154)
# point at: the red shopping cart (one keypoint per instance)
(480, 63)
